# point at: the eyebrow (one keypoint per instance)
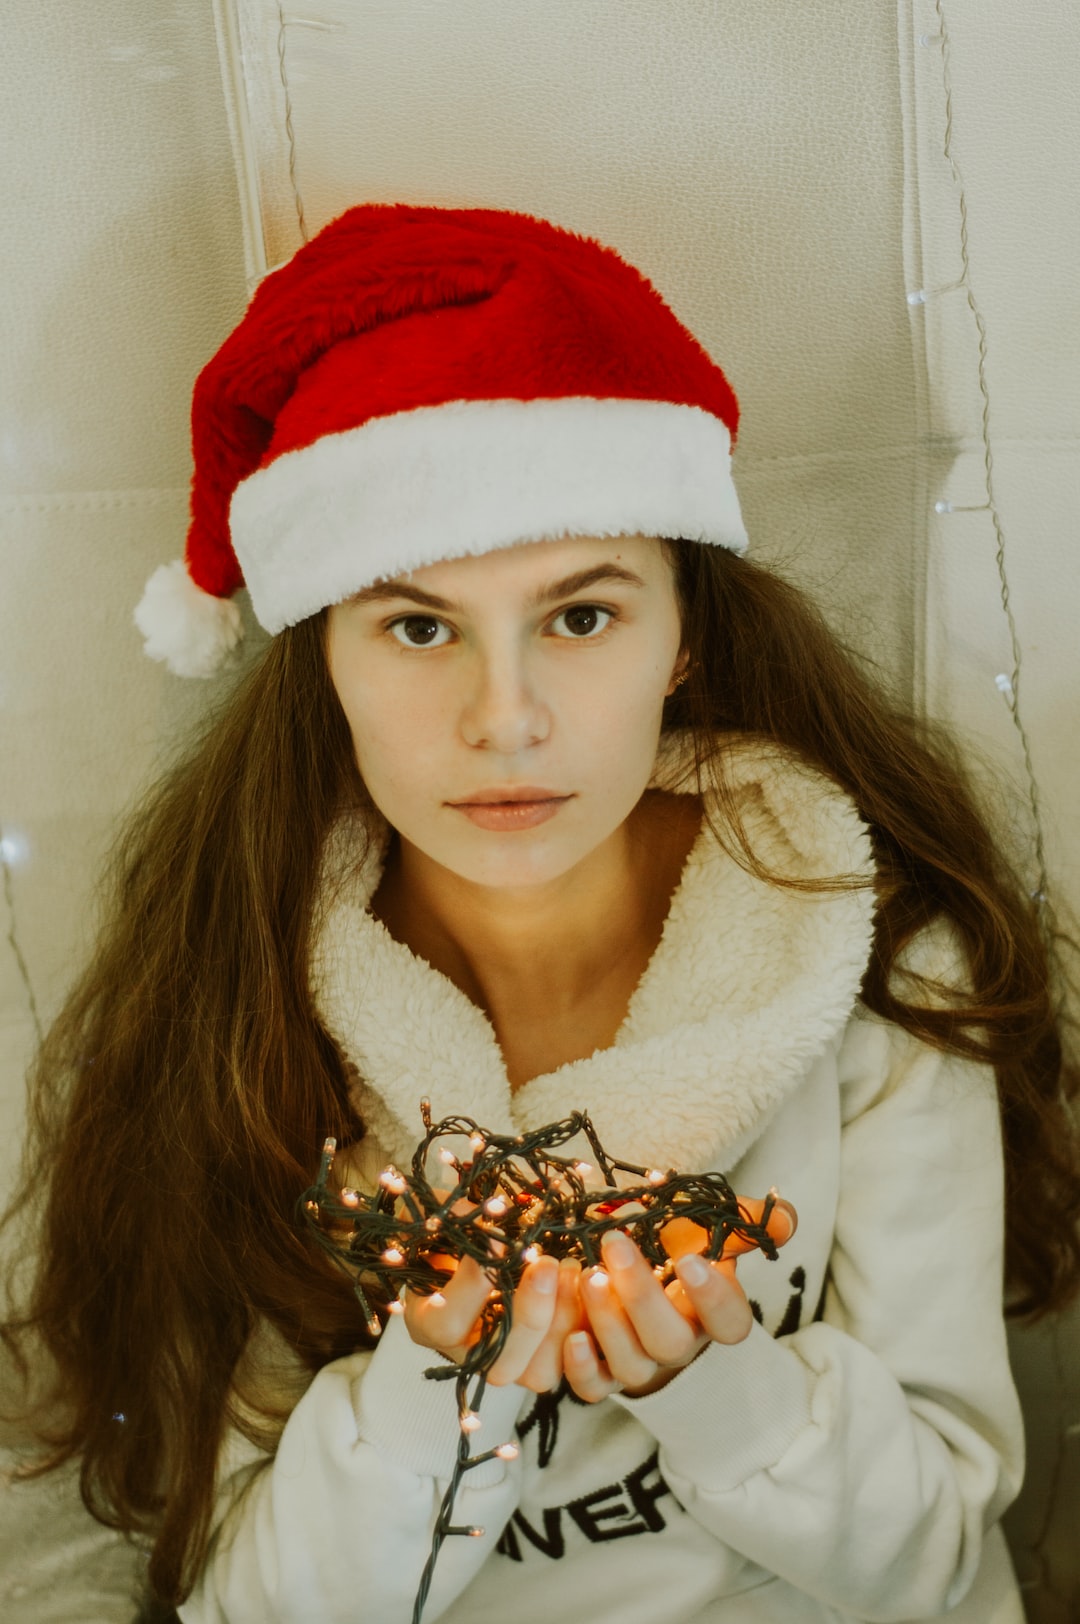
(384, 591)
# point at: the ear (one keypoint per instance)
(680, 673)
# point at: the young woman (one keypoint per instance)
(541, 798)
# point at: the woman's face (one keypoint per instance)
(540, 668)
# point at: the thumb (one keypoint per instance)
(683, 1235)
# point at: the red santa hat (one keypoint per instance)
(418, 384)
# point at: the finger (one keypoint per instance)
(584, 1371)
(531, 1317)
(716, 1298)
(545, 1369)
(662, 1332)
(445, 1319)
(616, 1338)
(679, 1299)
(782, 1224)
(683, 1235)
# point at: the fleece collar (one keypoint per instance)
(749, 985)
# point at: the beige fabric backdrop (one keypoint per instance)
(780, 171)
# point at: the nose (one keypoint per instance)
(503, 712)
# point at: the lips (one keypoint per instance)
(510, 794)
(511, 809)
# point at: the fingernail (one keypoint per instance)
(692, 1270)
(578, 1345)
(545, 1276)
(618, 1249)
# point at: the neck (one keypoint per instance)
(545, 951)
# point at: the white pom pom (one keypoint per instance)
(189, 629)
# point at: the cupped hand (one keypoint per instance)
(546, 1309)
(642, 1333)
(614, 1328)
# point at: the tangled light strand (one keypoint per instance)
(513, 1201)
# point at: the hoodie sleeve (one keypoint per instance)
(340, 1520)
(862, 1457)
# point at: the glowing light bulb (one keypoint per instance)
(14, 848)
(496, 1206)
(655, 1176)
(531, 1253)
(478, 1143)
(447, 1156)
(393, 1255)
(351, 1198)
(471, 1422)
(583, 1168)
(395, 1307)
(508, 1451)
(392, 1180)
(476, 1533)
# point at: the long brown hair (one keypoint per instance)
(181, 1096)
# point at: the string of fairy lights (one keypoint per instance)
(511, 1199)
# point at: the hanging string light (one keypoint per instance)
(510, 1200)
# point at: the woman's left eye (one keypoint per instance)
(584, 620)
(419, 631)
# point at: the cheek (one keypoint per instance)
(623, 712)
(401, 739)
(383, 711)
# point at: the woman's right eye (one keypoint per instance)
(419, 631)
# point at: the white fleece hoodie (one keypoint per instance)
(846, 1461)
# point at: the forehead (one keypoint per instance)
(532, 566)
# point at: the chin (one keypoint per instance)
(513, 875)
(511, 869)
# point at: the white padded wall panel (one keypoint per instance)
(1008, 79)
(120, 220)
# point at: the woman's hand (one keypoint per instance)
(643, 1333)
(546, 1310)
